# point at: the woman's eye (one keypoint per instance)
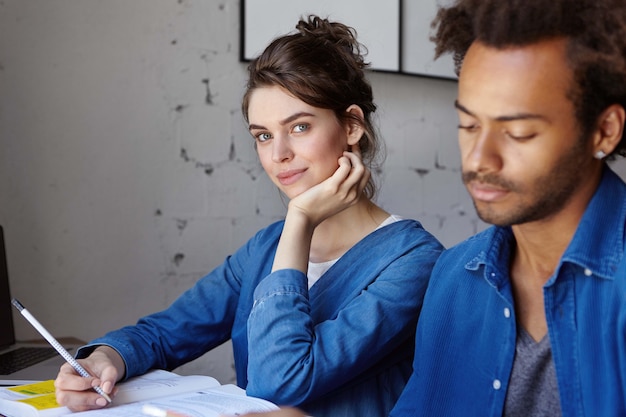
(262, 137)
(301, 127)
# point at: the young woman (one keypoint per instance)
(321, 307)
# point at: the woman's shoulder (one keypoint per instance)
(266, 237)
(270, 231)
(258, 249)
(405, 230)
(401, 239)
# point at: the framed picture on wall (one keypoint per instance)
(377, 24)
(395, 33)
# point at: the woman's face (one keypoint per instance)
(298, 144)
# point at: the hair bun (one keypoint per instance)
(334, 33)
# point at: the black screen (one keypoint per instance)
(7, 334)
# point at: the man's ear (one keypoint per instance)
(354, 130)
(610, 129)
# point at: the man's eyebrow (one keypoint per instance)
(283, 122)
(462, 108)
(505, 118)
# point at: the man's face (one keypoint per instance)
(522, 155)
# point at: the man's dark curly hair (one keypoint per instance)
(595, 30)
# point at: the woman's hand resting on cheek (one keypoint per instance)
(340, 191)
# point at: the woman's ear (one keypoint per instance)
(354, 130)
(610, 129)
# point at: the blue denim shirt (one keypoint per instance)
(342, 348)
(465, 340)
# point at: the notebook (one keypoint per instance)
(21, 362)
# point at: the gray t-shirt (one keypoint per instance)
(533, 390)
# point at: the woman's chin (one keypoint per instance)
(292, 192)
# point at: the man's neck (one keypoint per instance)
(539, 247)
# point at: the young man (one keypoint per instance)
(528, 318)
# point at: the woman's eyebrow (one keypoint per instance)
(286, 120)
(294, 117)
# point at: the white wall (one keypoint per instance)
(126, 172)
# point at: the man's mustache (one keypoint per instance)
(488, 179)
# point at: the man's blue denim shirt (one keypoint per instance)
(465, 342)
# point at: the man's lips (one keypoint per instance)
(486, 192)
(289, 177)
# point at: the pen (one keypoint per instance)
(55, 344)
(151, 410)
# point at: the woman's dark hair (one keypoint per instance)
(595, 31)
(322, 64)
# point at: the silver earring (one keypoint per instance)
(599, 154)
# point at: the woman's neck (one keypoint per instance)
(337, 234)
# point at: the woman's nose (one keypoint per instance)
(281, 149)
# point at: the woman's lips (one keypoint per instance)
(289, 177)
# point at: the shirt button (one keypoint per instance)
(497, 384)
(507, 312)
(588, 272)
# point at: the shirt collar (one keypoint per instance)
(494, 251)
(598, 244)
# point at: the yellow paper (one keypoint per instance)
(42, 402)
(38, 388)
(40, 395)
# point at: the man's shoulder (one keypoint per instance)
(482, 248)
(475, 243)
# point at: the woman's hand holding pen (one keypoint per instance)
(75, 391)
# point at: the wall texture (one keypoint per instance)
(126, 171)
